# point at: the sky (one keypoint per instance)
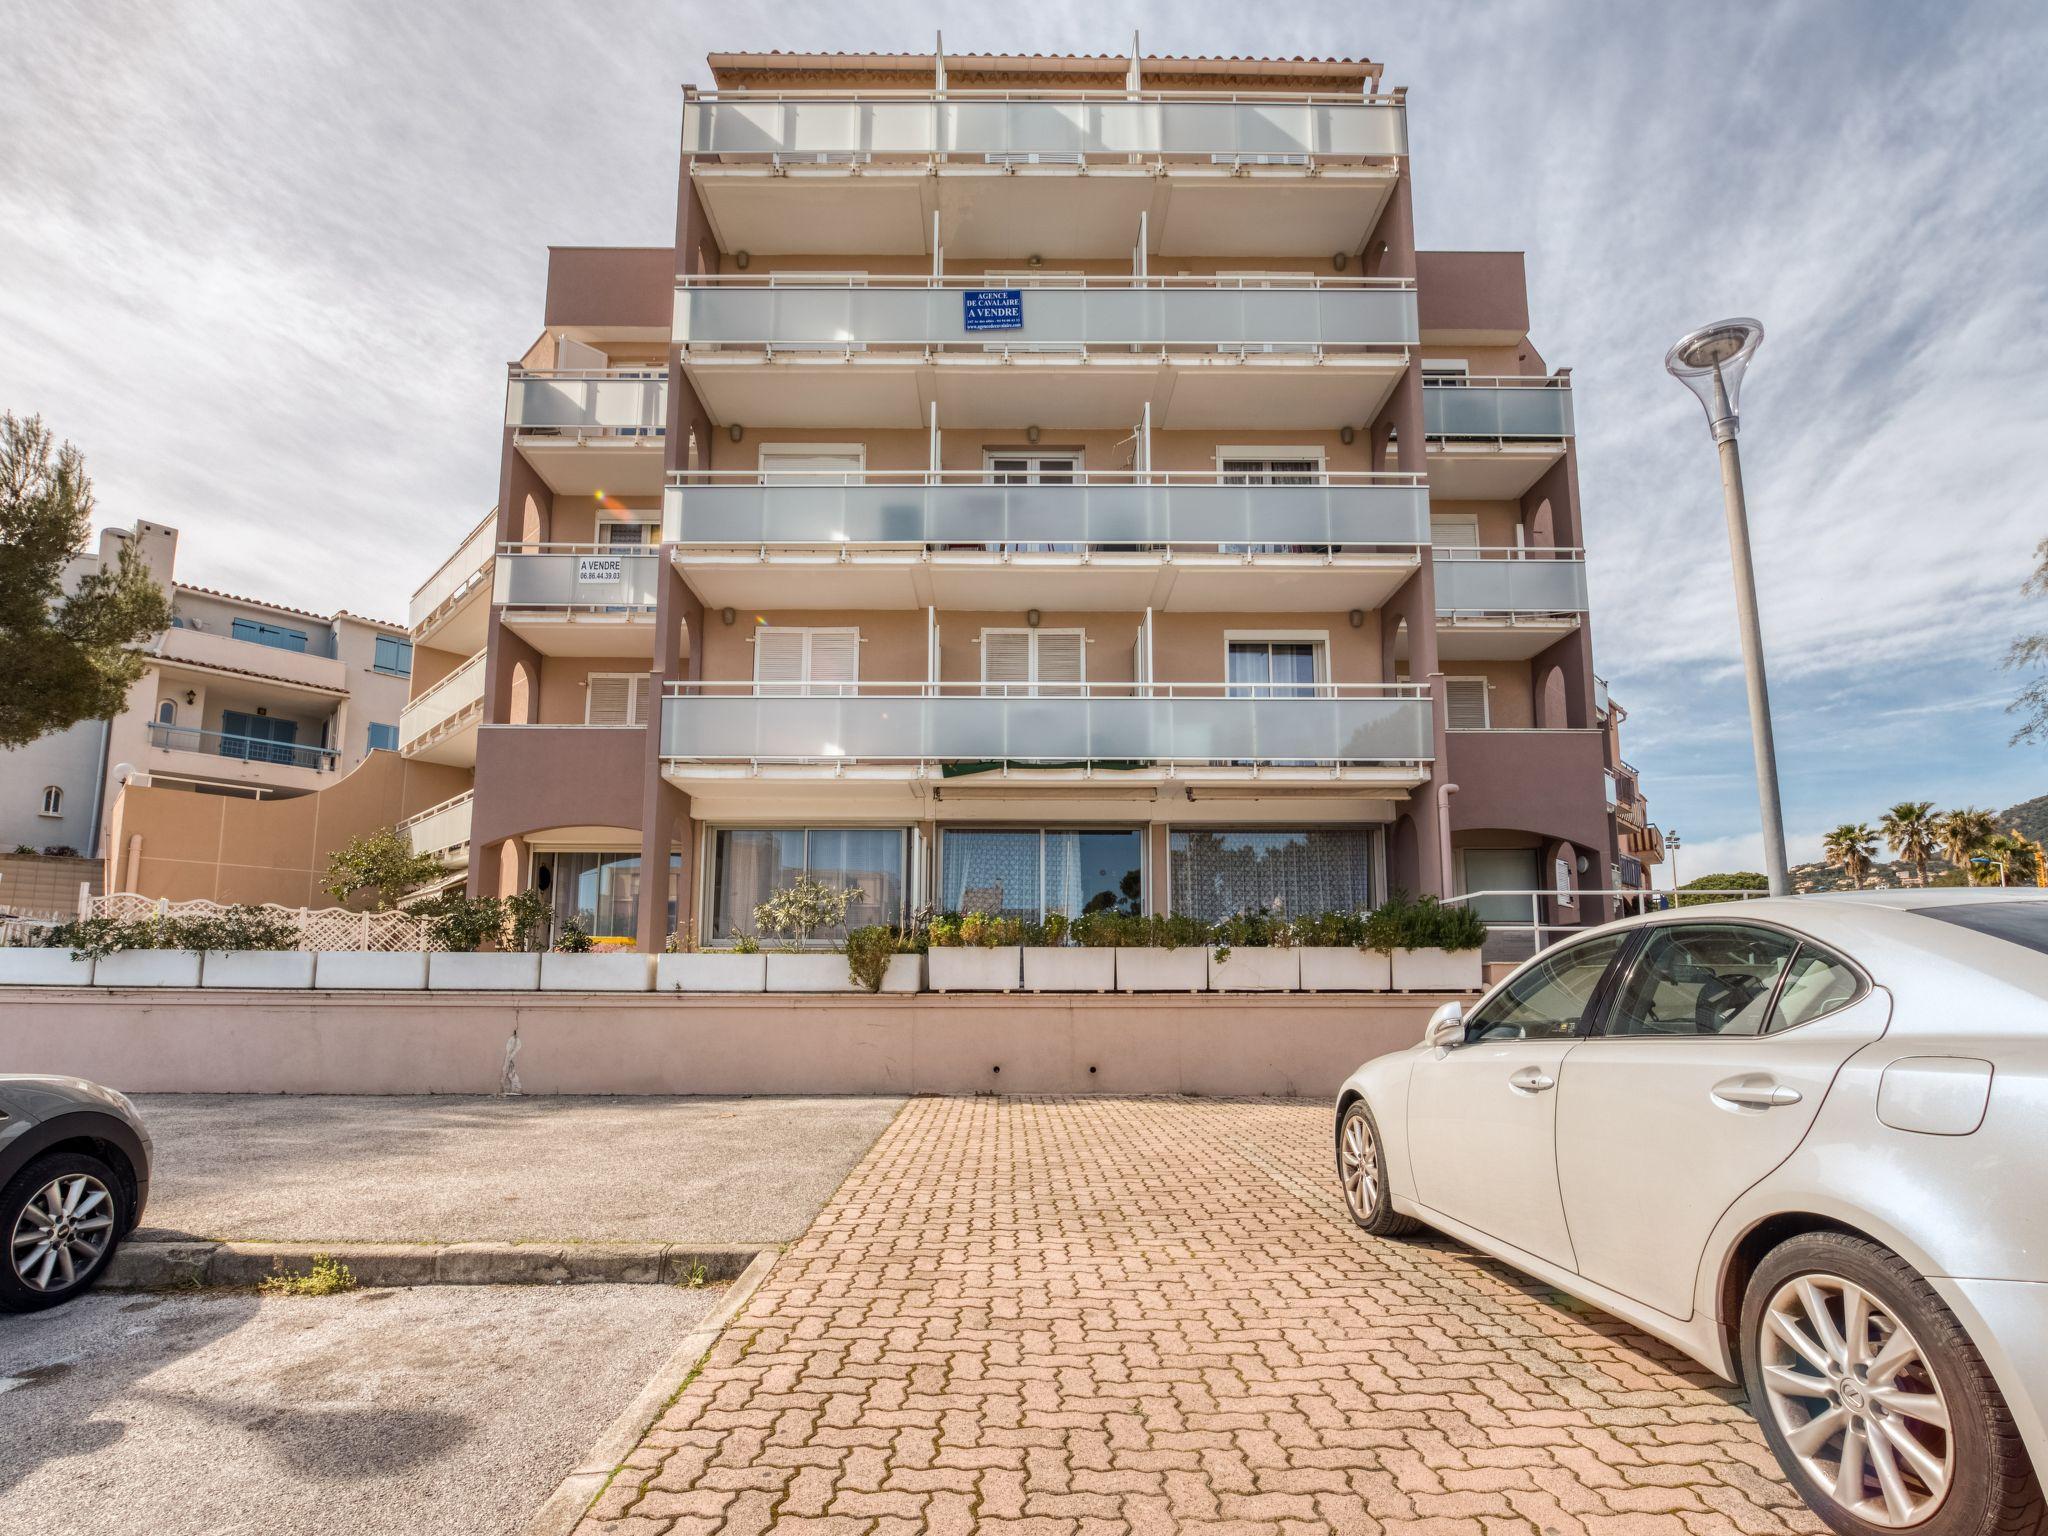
(265, 263)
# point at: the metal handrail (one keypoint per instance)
(1307, 480)
(893, 280)
(630, 551)
(441, 694)
(976, 688)
(1533, 552)
(454, 567)
(256, 749)
(630, 371)
(1499, 381)
(1051, 94)
(435, 810)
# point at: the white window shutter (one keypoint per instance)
(778, 655)
(1060, 655)
(835, 656)
(643, 693)
(1465, 704)
(1006, 657)
(608, 700)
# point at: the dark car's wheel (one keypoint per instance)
(1878, 1407)
(1361, 1169)
(62, 1216)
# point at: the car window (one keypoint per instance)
(1701, 979)
(1546, 1001)
(2024, 923)
(1817, 983)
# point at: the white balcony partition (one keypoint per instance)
(611, 402)
(577, 576)
(460, 690)
(1510, 581)
(1498, 408)
(748, 125)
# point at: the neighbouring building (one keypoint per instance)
(1639, 844)
(1027, 483)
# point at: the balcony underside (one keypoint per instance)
(577, 632)
(620, 466)
(1057, 391)
(212, 767)
(459, 624)
(1058, 212)
(1488, 471)
(453, 742)
(964, 581)
(1510, 637)
(856, 785)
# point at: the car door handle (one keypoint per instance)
(1756, 1094)
(1532, 1080)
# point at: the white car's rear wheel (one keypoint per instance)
(1361, 1170)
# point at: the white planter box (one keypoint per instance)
(809, 971)
(977, 970)
(905, 974)
(1163, 970)
(1346, 970)
(1437, 970)
(710, 971)
(488, 972)
(1255, 968)
(1069, 969)
(370, 970)
(626, 971)
(257, 968)
(148, 968)
(43, 968)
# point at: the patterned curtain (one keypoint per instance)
(990, 870)
(1216, 872)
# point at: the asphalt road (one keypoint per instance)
(444, 1409)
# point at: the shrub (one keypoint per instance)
(381, 866)
(1422, 923)
(1049, 932)
(868, 953)
(1331, 930)
(328, 1277)
(574, 939)
(797, 911)
(526, 921)
(746, 944)
(92, 938)
(1127, 930)
(1256, 929)
(239, 927)
(463, 924)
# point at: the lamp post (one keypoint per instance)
(1710, 362)
(1672, 843)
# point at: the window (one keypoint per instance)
(394, 655)
(1030, 468)
(1027, 872)
(625, 535)
(1023, 662)
(1214, 872)
(1451, 371)
(259, 633)
(2024, 923)
(1454, 533)
(1548, 1000)
(1817, 983)
(749, 864)
(1704, 979)
(617, 698)
(812, 463)
(806, 661)
(1278, 466)
(383, 738)
(601, 890)
(1466, 706)
(261, 739)
(1273, 669)
(167, 712)
(53, 800)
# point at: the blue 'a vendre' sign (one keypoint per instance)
(993, 309)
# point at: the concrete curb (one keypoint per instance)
(159, 1266)
(561, 1511)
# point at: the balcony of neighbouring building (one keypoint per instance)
(1067, 174)
(1116, 540)
(439, 726)
(236, 758)
(449, 609)
(310, 668)
(1492, 438)
(591, 430)
(579, 599)
(442, 831)
(1129, 733)
(1199, 353)
(1508, 603)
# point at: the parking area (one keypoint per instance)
(1143, 1315)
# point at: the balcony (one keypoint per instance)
(579, 599)
(210, 652)
(1508, 603)
(1351, 733)
(445, 613)
(1119, 541)
(1066, 174)
(440, 725)
(1203, 354)
(442, 831)
(186, 752)
(591, 430)
(1491, 439)
(1546, 782)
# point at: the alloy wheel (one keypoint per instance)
(1857, 1400)
(62, 1232)
(1358, 1160)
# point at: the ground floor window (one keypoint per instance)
(750, 864)
(1026, 872)
(600, 890)
(1216, 871)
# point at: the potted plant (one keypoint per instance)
(149, 953)
(54, 963)
(1434, 947)
(976, 952)
(1056, 961)
(249, 946)
(683, 967)
(1159, 953)
(882, 958)
(463, 925)
(578, 963)
(1254, 952)
(795, 915)
(1335, 956)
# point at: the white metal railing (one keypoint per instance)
(441, 829)
(581, 403)
(460, 690)
(595, 577)
(460, 574)
(1503, 911)
(244, 749)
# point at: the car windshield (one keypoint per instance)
(2024, 923)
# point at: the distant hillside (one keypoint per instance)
(1807, 878)
(2030, 816)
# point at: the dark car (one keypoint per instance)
(74, 1177)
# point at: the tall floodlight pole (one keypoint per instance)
(1710, 362)
(1672, 843)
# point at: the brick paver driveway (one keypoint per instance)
(1104, 1315)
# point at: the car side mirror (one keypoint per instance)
(1446, 1027)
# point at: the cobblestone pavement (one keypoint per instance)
(1097, 1315)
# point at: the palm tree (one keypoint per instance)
(2001, 855)
(1910, 828)
(1852, 845)
(1961, 834)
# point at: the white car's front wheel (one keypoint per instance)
(1361, 1169)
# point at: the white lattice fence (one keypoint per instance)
(319, 928)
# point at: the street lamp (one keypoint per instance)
(1710, 362)
(1672, 843)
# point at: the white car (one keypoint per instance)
(1804, 1139)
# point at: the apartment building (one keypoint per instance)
(1027, 483)
(1639, 842)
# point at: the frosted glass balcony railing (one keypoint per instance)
(459, 692)
(457, 573)
(1064, 126)
(1498, 408)
(440, 829)
(962, 508)
(1474, 581)
(576, 576)
(609, 402)
(1205, 313)
(1079, 723)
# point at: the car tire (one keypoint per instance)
(89, 1216)
(1362, 1175)
(1883, 1463)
